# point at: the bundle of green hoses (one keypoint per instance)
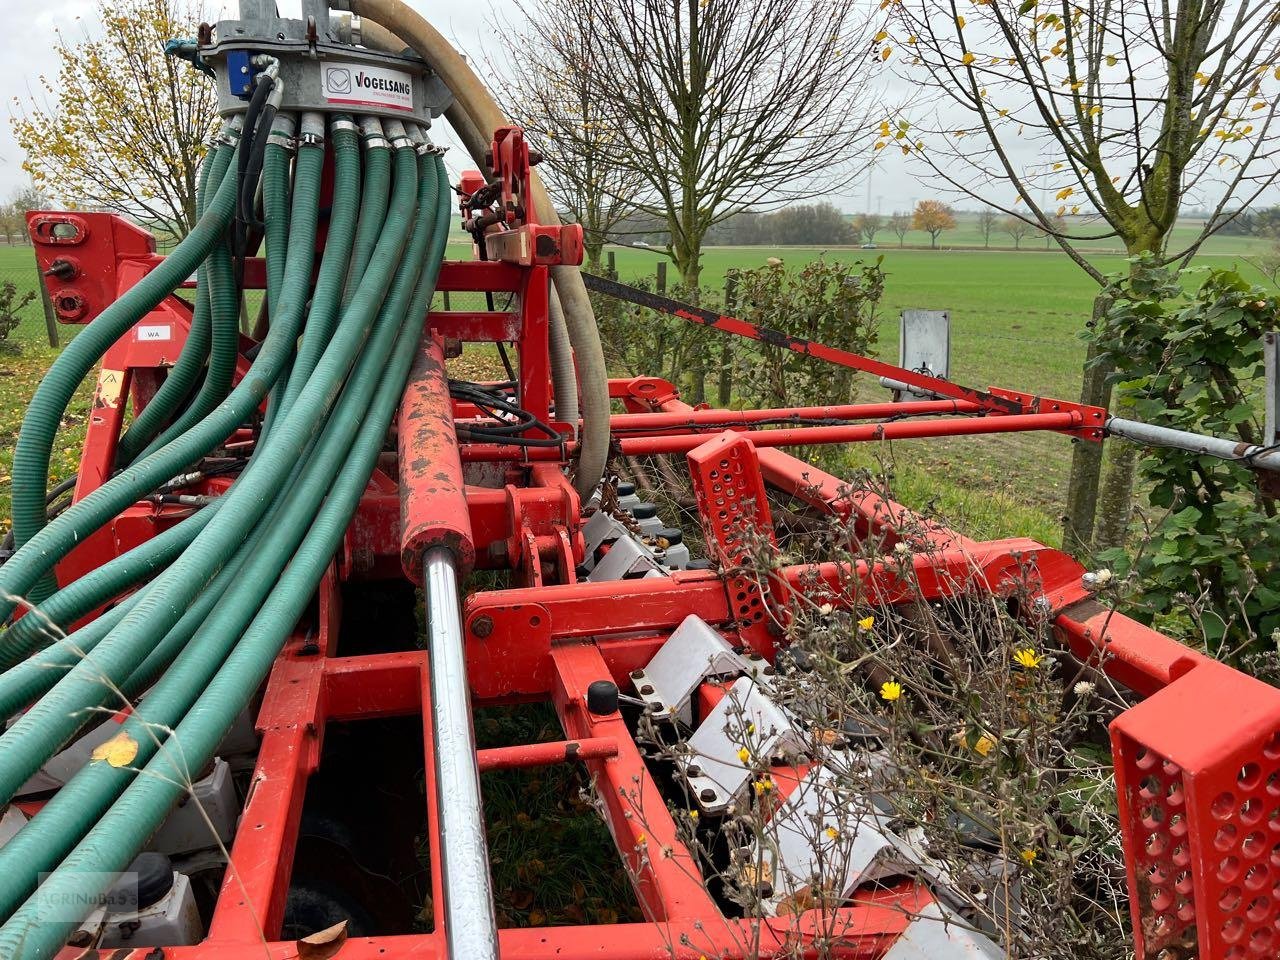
(239, 573)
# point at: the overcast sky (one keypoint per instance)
(26, 51)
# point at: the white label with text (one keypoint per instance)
(366, 86)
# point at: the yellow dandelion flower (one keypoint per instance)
(1028, 856)
(890, 690)
(744, 754)
(763, 786)
(833, 833)
(693, 814)
(640, 839)
(1027, 657)
(866, 623)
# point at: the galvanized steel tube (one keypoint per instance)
(1263, 458)
(471, 928)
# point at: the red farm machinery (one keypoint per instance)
(281, 534)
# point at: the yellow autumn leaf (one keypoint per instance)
(967, 59)
(1057, 166)
(886, 53)
(882, 35)
(1095, 110)
(119, 751)
(960, 22)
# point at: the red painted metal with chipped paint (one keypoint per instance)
(433, 502)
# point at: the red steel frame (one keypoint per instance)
(1199, 785)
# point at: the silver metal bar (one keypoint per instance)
(471, 928)
(1153, 436)
(1220, 447)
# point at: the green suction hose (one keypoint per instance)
(181, 379)
(143, 806)
(75, 808)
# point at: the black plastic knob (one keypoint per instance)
(602, 697)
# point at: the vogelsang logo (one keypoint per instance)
(337, 80)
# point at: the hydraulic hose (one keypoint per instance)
(373, 205)
(124, 828)
(224, 312)
(275, 203)
(44, 727)
(475, 101)
(182, 376)
(53, 541)
(30, 471)
(564, 376)
(49, 620)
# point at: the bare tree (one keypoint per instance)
(1125, 109)
(1017, 229)
(718, 105)
(13, 215)
(900, 225)
(1057, 228)
(545, 88)
(124, 126)
(987, 219)
(867, 226)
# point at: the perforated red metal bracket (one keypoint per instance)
(734, 508)
(1198, 780)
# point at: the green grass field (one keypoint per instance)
(1015, 323)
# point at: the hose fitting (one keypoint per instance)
(371, 131)
(312, 134)
(397, 135)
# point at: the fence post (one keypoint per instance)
(612, 270)
(725, 392)
(50, 318)
(662, 277)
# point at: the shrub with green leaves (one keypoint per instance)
(1193, 360)
(11, 307)
(832, 302)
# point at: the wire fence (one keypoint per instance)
(21, 299)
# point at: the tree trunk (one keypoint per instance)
(1115, 498)
(725, 392)
(1086, 456)
(1115, 494)
(689, 263)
